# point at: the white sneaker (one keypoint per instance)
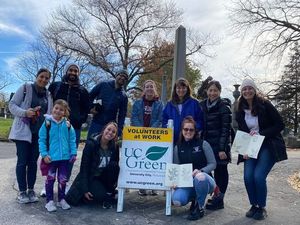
(43, 192)
(67, 188)
(63, 204)
(50, 206)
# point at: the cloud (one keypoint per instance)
(11, 29)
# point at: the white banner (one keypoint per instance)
(144, 155)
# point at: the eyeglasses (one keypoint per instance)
(188, 129)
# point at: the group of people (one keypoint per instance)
(202, 137)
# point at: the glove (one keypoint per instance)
(72, 159)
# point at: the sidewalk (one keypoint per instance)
(283, 202)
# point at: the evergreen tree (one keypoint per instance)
(287, 95)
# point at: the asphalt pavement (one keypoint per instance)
(283, 204)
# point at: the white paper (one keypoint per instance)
(244, 144)
(179, 175)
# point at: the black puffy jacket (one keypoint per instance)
(217, 127)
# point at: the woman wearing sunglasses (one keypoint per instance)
(192, 149)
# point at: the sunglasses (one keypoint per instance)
(188, 129)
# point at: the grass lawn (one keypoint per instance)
(4, 127)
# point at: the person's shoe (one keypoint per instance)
(63, 204)
(215, 203)
(108, 201)
(22, 197)
(32, 196)
(142, 192)
(50, 206)
(196, 214)
(43, 192)
(251, 211)
(153, 193)
(68, 186)
(260, 214)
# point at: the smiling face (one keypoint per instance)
(213, 93)
(58, 112)
(248, 93)
(73, 73)
(121, 80)
(188, 131)
(110, 132)
(43, 79)
(181, 91)
(149, 90)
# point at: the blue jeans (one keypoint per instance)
(70, 165)
(255, 175)
(202, 187)
(27, 155)
(95, 128)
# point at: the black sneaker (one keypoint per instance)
(108, 201)
(215, 203)
(251, 211)
(196, 214)
(261, 214)
(142, 192)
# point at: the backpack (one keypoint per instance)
(44, 167)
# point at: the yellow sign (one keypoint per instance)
(148, 134)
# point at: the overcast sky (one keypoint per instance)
(21, 19)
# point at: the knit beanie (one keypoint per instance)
(69, 65)
(249, 83)
(123, 73)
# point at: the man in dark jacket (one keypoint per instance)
(70, 90)
(109, 102)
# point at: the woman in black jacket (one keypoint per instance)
(99, 169)
(257, 115)
(217, 127)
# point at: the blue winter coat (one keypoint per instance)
(114, 104)
(137, 113)
(62, 140)
(190, 107)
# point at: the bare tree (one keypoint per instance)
(116, 34)
(274, 25)
(4, 82)
(46, 52)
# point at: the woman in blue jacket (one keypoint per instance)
(147, 112)
(182, 104)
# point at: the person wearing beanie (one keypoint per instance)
(256, 115)
(108, 102)
(248, 83)
(70, 90)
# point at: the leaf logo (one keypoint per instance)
(155, 152)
